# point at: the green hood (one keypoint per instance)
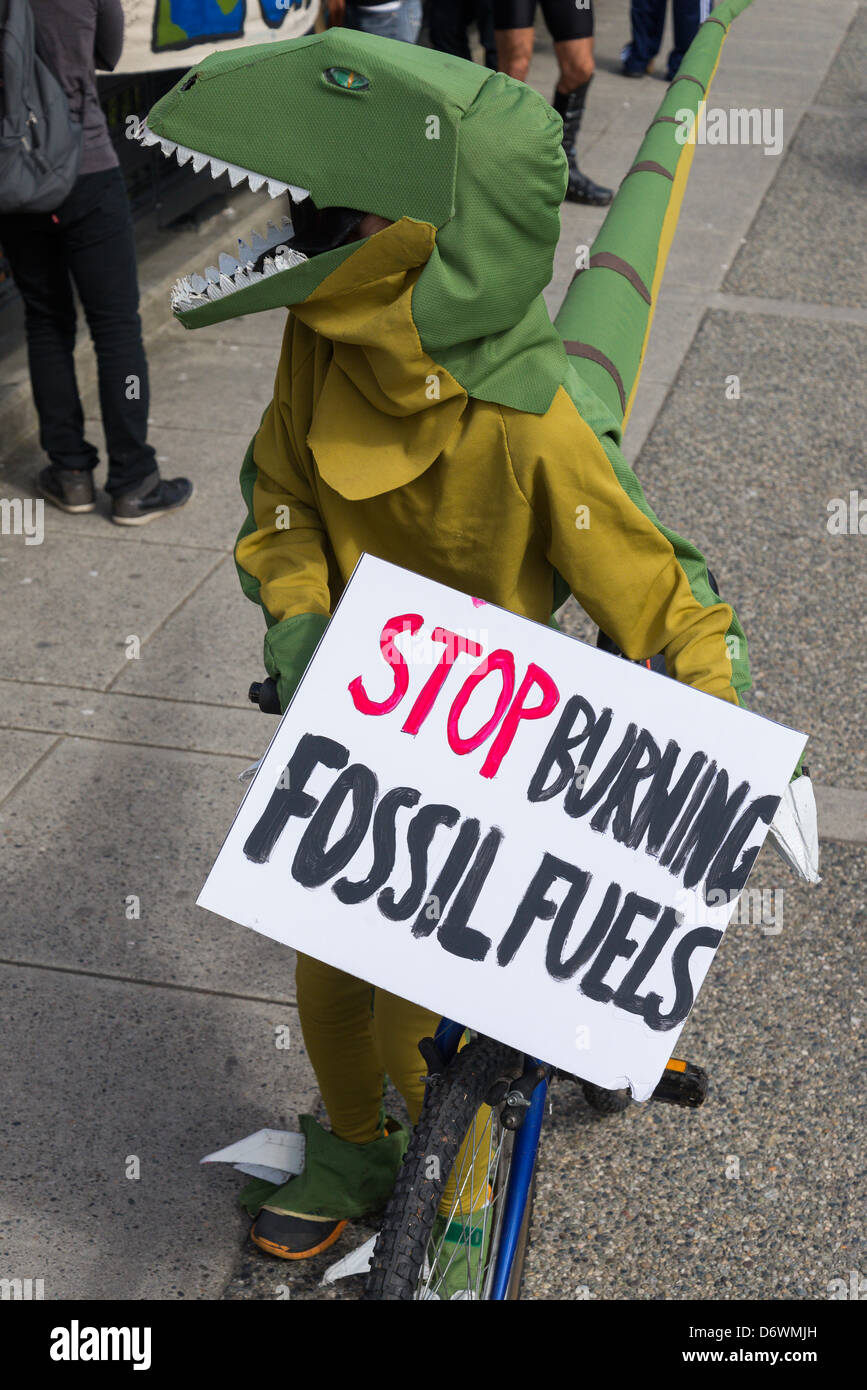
(405, 132)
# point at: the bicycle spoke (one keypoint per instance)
(482, 1154)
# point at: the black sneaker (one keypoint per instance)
(293, 1237)
(70, 489)
(150, 500)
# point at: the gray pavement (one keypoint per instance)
(152, 1037)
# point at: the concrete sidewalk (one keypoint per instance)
(139, 1027)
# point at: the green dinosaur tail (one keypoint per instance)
(607, 311)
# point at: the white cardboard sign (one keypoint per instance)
(504, 825)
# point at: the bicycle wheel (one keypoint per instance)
(410, 1261)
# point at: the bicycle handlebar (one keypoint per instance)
(264, 694)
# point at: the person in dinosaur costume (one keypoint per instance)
(426, 410)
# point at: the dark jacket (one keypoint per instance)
(76, 37)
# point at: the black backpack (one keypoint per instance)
(40, 143)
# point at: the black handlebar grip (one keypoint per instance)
(264, 694)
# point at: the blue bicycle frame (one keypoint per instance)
(447, 1038)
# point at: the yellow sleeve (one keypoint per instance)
(282, 551)
(640, 582)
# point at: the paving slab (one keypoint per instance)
(207, 380)
(162, 1076)
(99, 830)
(209, 649)
(21, 752)
(72, 602)
(750, 481)
(842, 814)
(809, 240)
(129, 719)
(846, 83)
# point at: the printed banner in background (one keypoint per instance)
(179, 33)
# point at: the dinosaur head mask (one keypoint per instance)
(467, 162)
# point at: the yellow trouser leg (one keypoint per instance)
(351, 1051)
(335, 1014)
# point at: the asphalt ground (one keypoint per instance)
(152, 1037)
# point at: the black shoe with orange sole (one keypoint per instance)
(293, 1237)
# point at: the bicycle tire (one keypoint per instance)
(605, 1102)
(451, 1103)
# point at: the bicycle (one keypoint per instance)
(509, 1090)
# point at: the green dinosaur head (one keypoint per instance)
(349, 124)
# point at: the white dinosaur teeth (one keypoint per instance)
(285, 259)
(183, 154)
(237, 273)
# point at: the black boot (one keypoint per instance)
(570, 106)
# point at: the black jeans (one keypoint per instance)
(88, 241)
(448, 21)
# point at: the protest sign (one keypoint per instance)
(504, 825)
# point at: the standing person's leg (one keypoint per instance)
(402, 23)
(447, 21)
(99, 249)
(33, 247)
(572, 32)
(648, 22)
(514, 36)
(687, 15)
(483, 13)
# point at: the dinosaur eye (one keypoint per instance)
(346, 78)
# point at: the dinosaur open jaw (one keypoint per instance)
(257, 258)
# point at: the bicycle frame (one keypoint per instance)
(447, 1038)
